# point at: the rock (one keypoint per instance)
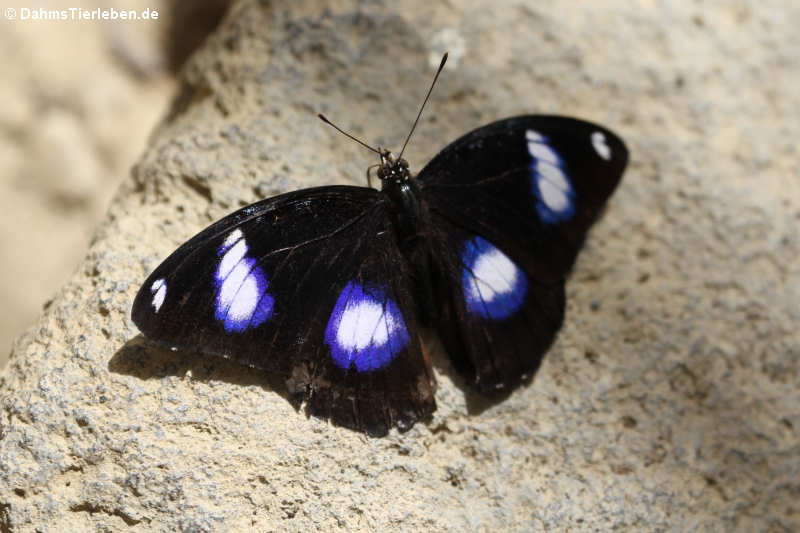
(668, 402)
(74, 118)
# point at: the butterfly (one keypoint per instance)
(330, 286)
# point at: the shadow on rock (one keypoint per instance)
(146, 360)
(476, 402)
(190, 23)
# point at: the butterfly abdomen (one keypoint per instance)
(410, 221)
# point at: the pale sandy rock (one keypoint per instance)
(670, 400)
(78, 101)
(59, 143)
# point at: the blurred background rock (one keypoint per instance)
(79, 99)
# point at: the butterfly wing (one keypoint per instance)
(495, 319)
(311, 285)
(532, 184)
(509, 206)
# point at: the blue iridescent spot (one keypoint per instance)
(555, 197)
(494, 286)
(242, 299)
(366, 328)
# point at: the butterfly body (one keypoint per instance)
(330, 285)
(402, 191)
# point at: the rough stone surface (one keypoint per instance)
(79, 99)
(669, 402)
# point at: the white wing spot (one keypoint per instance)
(542, 152)
(494, 274)
(231, 258)
(534, 136)
(364, 323)
(549, 179)
(553, 196)
(231, 239)
(245, 299)
(366, 329)
(242, 298)
(239, 292)
(553, 174)
(159, 290)
(600, 146)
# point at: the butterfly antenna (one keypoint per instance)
(413, 127)
(324, 119)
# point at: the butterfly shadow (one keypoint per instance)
(146, 360)
(476, 403)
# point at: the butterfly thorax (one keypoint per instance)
(402, 192)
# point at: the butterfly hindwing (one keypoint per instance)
(509, 206)
(496, 320)
(310, 285)
(389, 382)
(531, 184)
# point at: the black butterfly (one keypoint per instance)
(329, 285)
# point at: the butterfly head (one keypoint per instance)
(391, 169)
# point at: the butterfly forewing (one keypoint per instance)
(310, 285)
(532, 184)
